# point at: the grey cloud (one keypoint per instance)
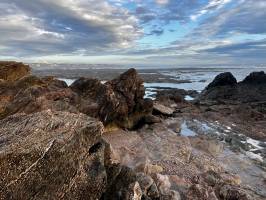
(246, 17)
(64, 26)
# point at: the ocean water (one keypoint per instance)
(194, 78)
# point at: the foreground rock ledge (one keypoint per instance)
(51, 155)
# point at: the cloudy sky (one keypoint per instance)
(141, 32)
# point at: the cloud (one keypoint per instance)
(246, 17)
(162, 2)
(64, 26)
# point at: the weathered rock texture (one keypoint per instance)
(32, 94)
(11, 71)
(119, 101)
(51, 155)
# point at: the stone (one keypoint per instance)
(225, 89)
(255, 78)
(51, 155)
(161, 109)
(229, 192)
(32, 94)
(200, 192)
(151, 119)
(12, 71)
(121, 183)
(147, 185)
(149, 169)
(133, 192)
(117, 102)
(223, 79)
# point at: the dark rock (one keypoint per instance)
(225, 90)
(116, 103)
(119, 101)
(255, 78)
(223, 79)
(47, 155)
(122, 183)
(176, 95)
(229, 192)
(12, 71)
(151, 119)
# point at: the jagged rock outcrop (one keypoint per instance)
(32, 94)
(224, 88)
(51, 155)
(12, 71)
(118, 102)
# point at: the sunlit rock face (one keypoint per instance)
(51, 155)
(12, 71)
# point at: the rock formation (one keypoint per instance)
(119, 101)
(51, 155)
(224, 88)
(32, 94)
(12, 71)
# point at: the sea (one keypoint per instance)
(187, 78)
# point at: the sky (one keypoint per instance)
(134, 32)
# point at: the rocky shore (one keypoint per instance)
(94, 140)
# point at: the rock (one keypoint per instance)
(12, 71)
(161, 109)
(32, 94)
(229, 192)
(176, 95)
(223, 79)
(149, 169)
(151, 119)
(51, 155)
(116, 103)
(121, 183)
(119, 101)
(148, 186)
(133, 192)
(255, 78)
(199, 192)
(225, 89)
(163, 183)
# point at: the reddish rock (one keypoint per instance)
(117, 102)
(12, 71)
(51, 155)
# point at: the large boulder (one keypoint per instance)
(255, 78)
(51, 155)
(11, 71)
(116, 102)
(223, 79)
(225, 89)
